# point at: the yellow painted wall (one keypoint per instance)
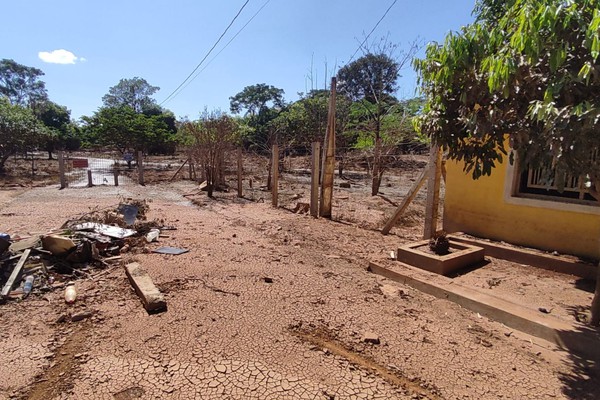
(478, 208)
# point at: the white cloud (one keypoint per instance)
(60, 56)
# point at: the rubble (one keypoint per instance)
(35, 264)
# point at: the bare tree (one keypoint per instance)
(210, 138)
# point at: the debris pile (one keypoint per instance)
(92, 241)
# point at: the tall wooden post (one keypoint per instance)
(140, 165)
(275, 176)
(314, 179)
(89, 176)
(61, 170)
(239, 173)
(433, 192)
(116, 174)
(329, 157)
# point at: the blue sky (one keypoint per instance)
(163, 41)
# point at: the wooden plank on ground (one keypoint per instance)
(15, 273)
(151, 297)
(412, 193)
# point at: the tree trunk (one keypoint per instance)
(270, 168)
(376, 174)
(209, 181)
(3, 161)
(595, 320)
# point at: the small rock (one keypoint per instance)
(370, 337)
(80, 316)
(221, 368)
(267, 279)
(507, 334)
(345, 185)
(544, 310)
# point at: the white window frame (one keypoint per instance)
(511, 196)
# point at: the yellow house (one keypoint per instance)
(523, 209)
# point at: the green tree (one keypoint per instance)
(63, 134)
(526, 68)
(21, 84)
(262, 104)
(135, 93)
(124, 129)
(20, 130)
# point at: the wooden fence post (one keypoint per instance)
(140, 165)
(89, 176)
(239, 173)
(275, 176)
(116, 174)
(61, 170)
(433, 192)
(314, 179)
(329, 157)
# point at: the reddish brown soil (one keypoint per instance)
(231, 333)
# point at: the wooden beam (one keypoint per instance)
(275, 176)
(433, 192)
(314, 179)
(15, 273)
(179, 169)
(412, 193)
(61, 169)
(329, 157)
(240, 169)
(140, 165)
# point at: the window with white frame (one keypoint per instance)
(541, 184)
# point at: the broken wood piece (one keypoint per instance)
(412, 193)
(15, 273)
(113, 258)
(25, 243)
(151, 297)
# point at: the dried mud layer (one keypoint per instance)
(267, 304)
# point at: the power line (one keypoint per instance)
(372, 30)
(224, 47)
(207, 54)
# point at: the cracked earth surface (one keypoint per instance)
(231, 333)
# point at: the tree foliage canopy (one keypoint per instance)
(135, 93)
(21, 84)
(370, 77)
(20, 130)
(257, 98)
(525, 68)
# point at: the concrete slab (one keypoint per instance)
(151, 297)
(531, 257)
(578, 339)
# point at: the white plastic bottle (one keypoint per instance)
(70, 294)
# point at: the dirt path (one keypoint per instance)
(253, 279)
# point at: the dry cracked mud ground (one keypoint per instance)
(267, 304)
